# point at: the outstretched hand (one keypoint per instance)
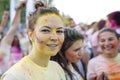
(21, 5)
(5, 15)
(4, 20)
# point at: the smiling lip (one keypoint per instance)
(52, 45)
(108, 47)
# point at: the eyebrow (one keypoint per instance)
(50, 28)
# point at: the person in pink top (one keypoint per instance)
(15, 51)
(106, 66)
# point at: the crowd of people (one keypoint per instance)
(48, 49)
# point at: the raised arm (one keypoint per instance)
(4, 20)
(8, 38)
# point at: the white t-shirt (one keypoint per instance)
(26, 69)
(76, 75)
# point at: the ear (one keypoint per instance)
(30, 35)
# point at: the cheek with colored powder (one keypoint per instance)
(115, 44)
(61, 42)
(40, 39)
(61, 39)
(71, 55)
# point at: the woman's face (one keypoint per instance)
(108, 43)
(74, 52)
(48, 35)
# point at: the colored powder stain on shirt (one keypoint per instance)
(26, 69)
(110, 66)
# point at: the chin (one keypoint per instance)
(111, 55)
(52, 54)
(75, 61)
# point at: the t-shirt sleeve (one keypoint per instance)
(8, 77)
(60, 71)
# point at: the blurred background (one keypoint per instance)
(82, 11)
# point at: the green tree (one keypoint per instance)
(49, 2)
(4, 6)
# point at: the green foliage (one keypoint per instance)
(50, 2)
(23, 15)
(4, 6)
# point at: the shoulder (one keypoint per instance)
(117, 57)
(94, 59)
(15, 72)
(55, 67)
(55, 64)
(8, 77)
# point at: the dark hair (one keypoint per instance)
(16, 42)
(101, 24)
(114, 16)
(109, 30)
(40, 9)
(71, 35)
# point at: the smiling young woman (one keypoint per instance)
(70, 54)
(106, 66)
(46, 33)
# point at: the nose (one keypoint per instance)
(53, 37)
(80, 53)
(107, 42)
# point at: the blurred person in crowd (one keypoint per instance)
(94, 38)
(81, 28)
(106, 66)
(2, 54)
(113, 21)
(15, 51)
(24, 42)
(7, 40)
(70, 54)
(88, 38)
(86, 51)
(3, 23)
(72, 23)
(46, 33)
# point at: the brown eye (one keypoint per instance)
(45, 31)
(60, 31)
(78, 49)
(111, 39)
(102, 40)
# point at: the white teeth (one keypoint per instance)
(52, 45)
(108, 47)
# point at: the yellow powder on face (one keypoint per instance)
(55, 32)
(52, 15)
(45, 21)
(81, 43)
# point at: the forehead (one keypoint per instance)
(77, 43)
(107, 35)
(51, 20)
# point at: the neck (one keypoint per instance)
(39, 58)
(110, 55)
